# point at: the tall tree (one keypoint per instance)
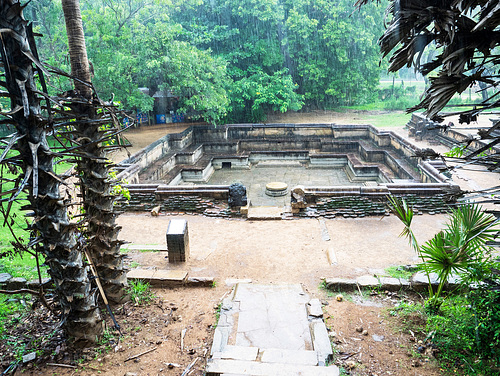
(93, 167)
(57, 237)
(466, 36)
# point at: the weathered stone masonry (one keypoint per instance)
(191, 152)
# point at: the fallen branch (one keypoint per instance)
(40, 295)
(141, 354)
(360, 293)
(188, 368)
(348, 356)
(61, 365)
(183, 334)
(21, 291)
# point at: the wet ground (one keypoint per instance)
(292, 173)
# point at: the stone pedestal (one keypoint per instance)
(276, 189)
(177, 240)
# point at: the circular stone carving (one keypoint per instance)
(276, 189)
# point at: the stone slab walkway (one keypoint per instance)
(270, 330)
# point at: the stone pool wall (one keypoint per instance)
(358, 206)
(422, 128)
(206, 200)
(175, 152)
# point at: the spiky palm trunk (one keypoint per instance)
(57, 235)
(93, 169)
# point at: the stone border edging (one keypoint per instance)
(418, 282)
(7, 282)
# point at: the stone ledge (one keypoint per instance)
(169, 278)
(159, 277)
(418, 282)
(7, 282)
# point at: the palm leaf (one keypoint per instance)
(405, 214)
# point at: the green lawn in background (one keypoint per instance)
(21, 266)
(386, 120)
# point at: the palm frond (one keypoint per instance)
(405, 214)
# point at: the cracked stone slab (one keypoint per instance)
(367, 281)
(343, 284)
(4, 277)
(272, 316)
(264, 212)
(303, 357)
(332, 257)
(325, 236)
(390, 284)
(237, 353)
(321, 341)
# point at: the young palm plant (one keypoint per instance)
(459, 248)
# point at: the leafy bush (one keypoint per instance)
(466, 333)
(486, 307)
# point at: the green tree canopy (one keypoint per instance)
(216, 56)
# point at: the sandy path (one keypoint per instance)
(280, 251)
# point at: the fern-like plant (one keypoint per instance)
(461, 247)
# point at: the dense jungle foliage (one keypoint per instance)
(225, 60)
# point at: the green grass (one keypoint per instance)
(384, 119)
(387, 84)
(140, 292)
(134, 264)
(390, 119)
(410, 316)
(398, 272)
(217, 314)
(22, 266)
(11, 310)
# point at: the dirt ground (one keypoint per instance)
(292, 251)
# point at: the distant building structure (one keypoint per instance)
(165, 107)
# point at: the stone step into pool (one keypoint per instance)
(270, 330)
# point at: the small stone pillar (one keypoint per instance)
(177, 240)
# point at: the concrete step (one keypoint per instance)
(218, 367)
(264, 212)
(299, 357)
(164, 278)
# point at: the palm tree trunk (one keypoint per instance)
(93, 168)
(57, 235)
(77, 48)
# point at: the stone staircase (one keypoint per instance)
(270, 330)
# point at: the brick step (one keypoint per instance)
(218, 367)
